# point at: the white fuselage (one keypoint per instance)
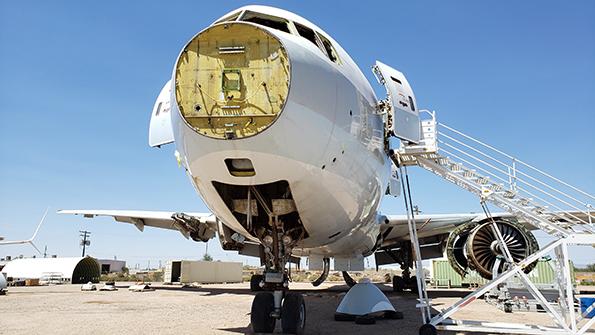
(327, 143)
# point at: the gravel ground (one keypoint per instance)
(210, 309)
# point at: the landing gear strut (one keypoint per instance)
(275, 302)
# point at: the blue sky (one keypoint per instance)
(78, 81)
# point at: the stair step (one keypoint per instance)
(481, 180)
(496, 187)
(455, 167)
(515, 201)
(522, 201)
(508, 194)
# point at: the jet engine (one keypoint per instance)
(475, 246)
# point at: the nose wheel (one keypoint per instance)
(292, 312)
(255, 282)
(261, 317)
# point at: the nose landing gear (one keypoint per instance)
(278, 236)
(261, 317)
(293, 314)
(270, 306)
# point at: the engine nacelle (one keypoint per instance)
(474, 246)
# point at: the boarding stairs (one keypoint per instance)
(532, 195)
(542, 200)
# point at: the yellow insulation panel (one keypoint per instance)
(232, 81)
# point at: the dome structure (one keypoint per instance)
(74, 270)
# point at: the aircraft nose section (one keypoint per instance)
(232, 81)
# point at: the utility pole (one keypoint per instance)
(45, 252)
(85, 241)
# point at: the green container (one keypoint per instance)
(543, 274)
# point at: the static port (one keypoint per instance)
(240, 167)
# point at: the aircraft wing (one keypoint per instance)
(395, 227)
(201, 226)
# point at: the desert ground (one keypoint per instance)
(208, 309)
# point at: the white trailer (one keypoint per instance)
(186, 271)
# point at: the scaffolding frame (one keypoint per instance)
(569, 227)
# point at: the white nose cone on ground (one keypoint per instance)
(364, 298)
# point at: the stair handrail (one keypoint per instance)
(514, 174)
(516, 160)
(558, 215)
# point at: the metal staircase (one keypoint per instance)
(546, 202)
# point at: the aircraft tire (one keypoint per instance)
(427, 329)
(255, 283)
(293, 314)
(260, 316)
(413, 284)
(398, 284)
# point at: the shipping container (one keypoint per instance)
(443, 275)
(185, 271)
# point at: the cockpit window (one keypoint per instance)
(229, 18)
(266, 20)
(306, 33)
(330, 50)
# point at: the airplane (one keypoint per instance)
(287, 144)
(3, 283)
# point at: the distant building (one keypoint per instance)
(75, 270)
(111, 265)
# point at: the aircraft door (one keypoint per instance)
(403, 115)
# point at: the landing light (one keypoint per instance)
(287, 239)
(268, 240)
(240, 167)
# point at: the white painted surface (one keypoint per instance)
(205, 272)
(34, 268)
(329, 120)
(160, 130)
(364, 298)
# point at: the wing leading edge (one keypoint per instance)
(198, 226)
